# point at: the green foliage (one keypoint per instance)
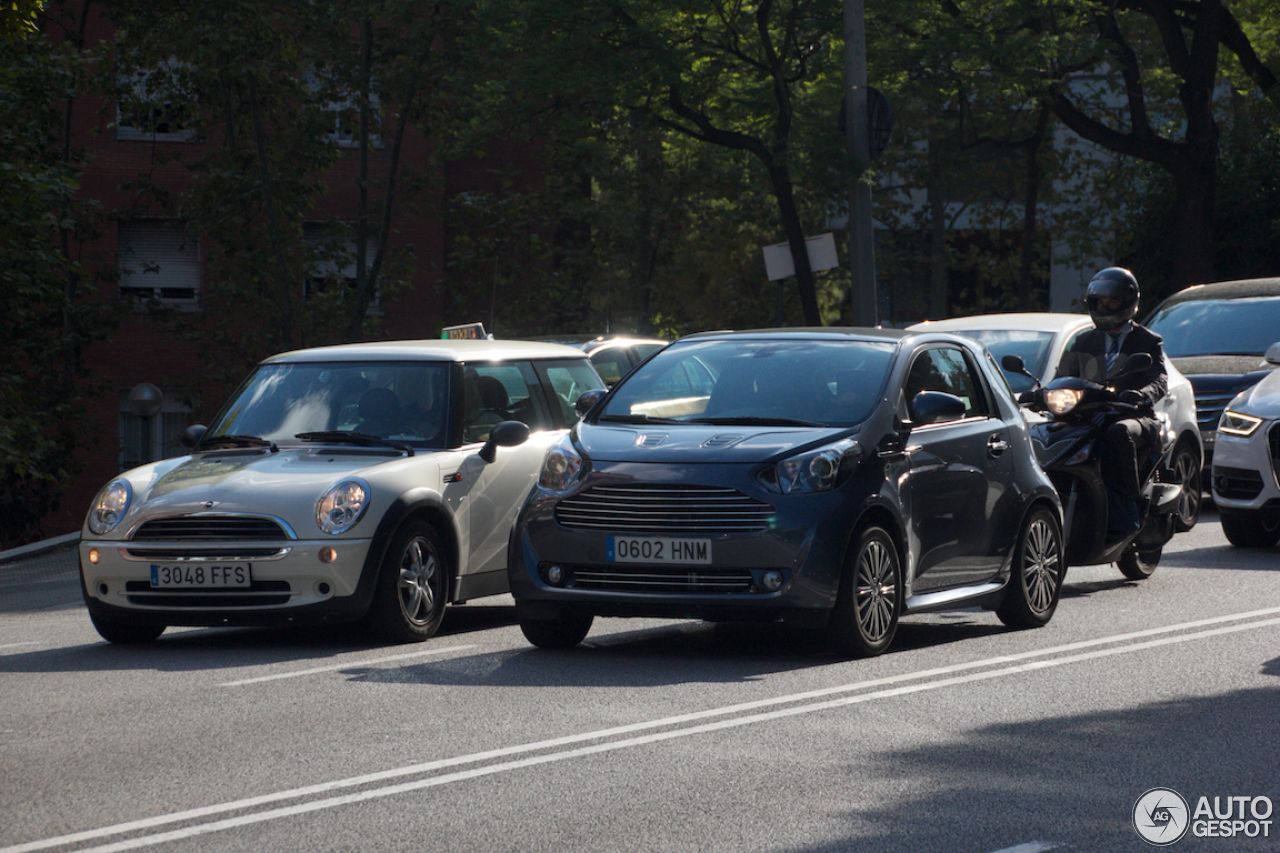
(50, 313)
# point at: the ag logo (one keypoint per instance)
(1161, 816)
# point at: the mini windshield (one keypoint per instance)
(1032, 347)
(748, 381)
(399, 401)
(1245, 326)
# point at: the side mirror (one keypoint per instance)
(1273, 353)
(588, 400)
(1137, 363)
(931, 407)
(505, 434)
(1013, 363)
(191, 435)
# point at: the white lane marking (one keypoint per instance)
(1031, 847)
(348, 665)
(16, 645)
(222, 808)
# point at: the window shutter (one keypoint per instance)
(160, 260)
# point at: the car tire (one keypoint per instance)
(563, 632)
(1138, 564)
(1036, 575)
(869, 601)
(1185, 468)
(1250, 529)
(410, 595)
(124, 633)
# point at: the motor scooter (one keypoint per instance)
(1067, 446)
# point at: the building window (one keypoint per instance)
(159, 260)
(155, 105)
(150, 439)
(337, 264)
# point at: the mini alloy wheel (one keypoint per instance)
(409, 601)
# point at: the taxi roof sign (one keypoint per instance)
(465, 332)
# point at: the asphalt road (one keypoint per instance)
(655, 735)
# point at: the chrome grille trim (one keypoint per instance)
(205, 555)
(664, 508)
(211, 527)
(673, 580)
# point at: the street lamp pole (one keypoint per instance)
(862, 258)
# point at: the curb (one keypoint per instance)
(39, 547)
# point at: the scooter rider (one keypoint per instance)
(1101, 353)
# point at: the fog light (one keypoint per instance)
(102, 590)
(323, 588)
(94, 556)
(555, 575)
(328, 555)
(771, 580)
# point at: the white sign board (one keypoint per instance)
(778, 262)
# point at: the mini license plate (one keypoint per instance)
(657, 549)
(199, 575)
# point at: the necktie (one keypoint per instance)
(1113, 349)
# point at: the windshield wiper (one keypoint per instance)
(239, 441)
(638, 419)
(362, 439)
(754, 420)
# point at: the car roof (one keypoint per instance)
(1043, 321)
(807, 333)
(432, 350)
(590, 342)
(1239, 289)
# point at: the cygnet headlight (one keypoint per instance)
(815, 471)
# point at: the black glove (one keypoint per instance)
(1133, 398)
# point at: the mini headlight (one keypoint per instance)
(1235, 423)
(816, 471)
(341, 507)
(109, 507)
(561, 467)
(1062, 400)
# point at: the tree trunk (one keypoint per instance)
(937, 306)
(805, 284)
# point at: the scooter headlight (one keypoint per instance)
(1062, 400)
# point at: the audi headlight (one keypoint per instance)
(1062, 400)
(341, 507)
(816, 471)
(1235, 423)
(561, 467)
(109, 507)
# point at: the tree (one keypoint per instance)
(50, 315)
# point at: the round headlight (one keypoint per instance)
(1062, 400)
(109, 507)
(341, 507)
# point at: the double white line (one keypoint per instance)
(497, 761)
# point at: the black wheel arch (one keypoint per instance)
(427, 505)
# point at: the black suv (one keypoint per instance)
(1217, 334)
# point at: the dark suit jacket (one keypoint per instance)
(1087, 359)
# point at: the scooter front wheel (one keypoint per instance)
(1137, 564)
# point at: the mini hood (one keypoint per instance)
(285, 484)
(1262, 400)
(668, 443)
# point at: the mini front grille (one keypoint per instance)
(662, 580)
(259, 594)
(209, 528)
(665, 508)
(206, 554)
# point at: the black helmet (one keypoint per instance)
(1113, 283)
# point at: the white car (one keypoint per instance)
(370, 481)
(1246, 463)
(1041, 339)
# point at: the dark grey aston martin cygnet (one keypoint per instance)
(835, 478)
